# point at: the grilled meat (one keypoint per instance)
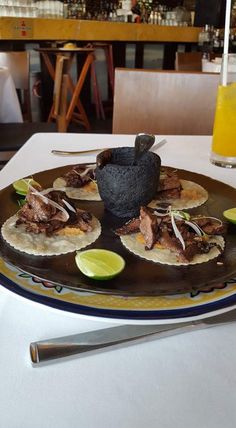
(103, 158)
(79, 176)
(83, 220)
(148, 227)
(131, 226)
(159, 229)
(39, 216)
(36, 209)
(169, 242)
(168, 180)
(170, 194)
(210, 226)
(169, 185)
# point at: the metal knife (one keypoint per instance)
(80, 152)
(46, 350)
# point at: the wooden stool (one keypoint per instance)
(107, 48)
(75, 90)
(61, 86)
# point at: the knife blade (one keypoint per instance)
(47, 350)
(80, 152)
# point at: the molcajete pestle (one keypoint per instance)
(123, 186)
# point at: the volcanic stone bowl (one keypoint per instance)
(125, 187)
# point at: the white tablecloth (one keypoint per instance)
(182, 381)
(215, 66)
(10, 110)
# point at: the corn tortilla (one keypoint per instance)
(167, 257)
(89, 192)
(193, 195)
(42, 245)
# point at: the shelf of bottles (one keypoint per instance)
(211, 40)
(149, 11)
(131, 11)
(31, 8)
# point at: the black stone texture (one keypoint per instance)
(125, 187)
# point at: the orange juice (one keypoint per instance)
(224, 134)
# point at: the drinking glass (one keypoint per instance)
(224, 134)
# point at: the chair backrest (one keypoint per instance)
(188, 61)
(18, 64)
(167, 103)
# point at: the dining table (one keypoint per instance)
(10, 111)
(185, 380)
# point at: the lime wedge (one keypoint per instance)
(230, 215)
(22, 186)
(99, 264)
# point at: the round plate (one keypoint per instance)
(140, 277)
(131, 310)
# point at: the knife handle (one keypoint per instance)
(61, 347)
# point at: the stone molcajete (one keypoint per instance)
(125, 184)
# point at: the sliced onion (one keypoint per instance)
(203, 233)
(59, 207)
(51, 189)
(176, 231)
(89, 168)
(49, 201)
(194, 227)
(69, 206)
(36, 192)
(162, 209)
(82, 174)
(181, 214)
(46, 191)
(160, 215)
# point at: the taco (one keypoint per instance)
(79, 183)
(49, 224)
(180, 194)
(173, 237)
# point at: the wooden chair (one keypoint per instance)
(188, 61)
(18, 64)
(164, 102)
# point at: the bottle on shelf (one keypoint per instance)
(216, 42)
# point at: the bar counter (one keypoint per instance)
(70, 29)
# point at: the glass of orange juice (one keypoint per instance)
(224, 134)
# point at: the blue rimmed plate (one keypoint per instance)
(140, 277)
(141, 310)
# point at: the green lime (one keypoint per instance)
(22, 186)
(230, 215)
(99, 264)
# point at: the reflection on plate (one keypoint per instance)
(140, 277)
(132, 310)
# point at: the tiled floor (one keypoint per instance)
(98, 126)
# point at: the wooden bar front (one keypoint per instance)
(69, 29)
